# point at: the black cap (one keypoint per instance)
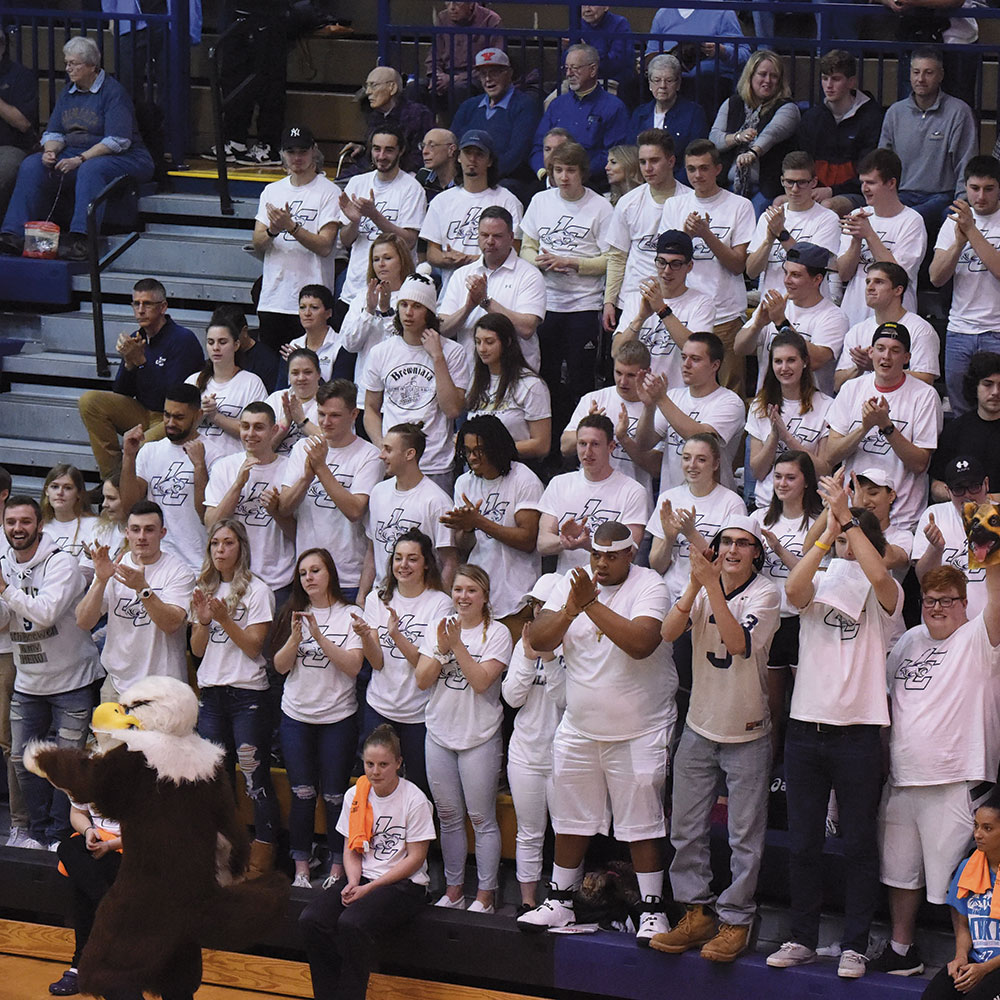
(297, 137)
(963, 471)
(675, 241)
(893, 331)
(809, 255)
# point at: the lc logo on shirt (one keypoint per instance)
(701, 250)
(848, 626)
(917, 674)
(959, 558)
(452, 674)
(386, 532)
(209, 429)
(132, 609)
(970, 259)
(217, 633)
(778, 251)
(563, 235)
(65, 545)
(866, 255)
(300, 215)
(494, 508)
(386, 838)
(874, 442)
(318, 494)
(593, 514)
(310, 652)
(774, 566)
(414, 631)
(800, 432)
(173, 489)
(465, 231)
(369, 228)
(250, 510)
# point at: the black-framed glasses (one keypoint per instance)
(740, 543)
(789, 182)
(662, 263)
(945, 602)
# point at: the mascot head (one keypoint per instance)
(154, 704)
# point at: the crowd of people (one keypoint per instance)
(338, 527)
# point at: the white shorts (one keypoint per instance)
(924, 831)
(632, 773)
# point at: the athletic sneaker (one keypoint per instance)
(233, 149)
(451, 904)
(910, 964)
(259, 155)
(476, 907)
(853, 964)
(301, 882)
(556, 911)
(17, 837)
(33, 845)
(652, 921)
(791, 953)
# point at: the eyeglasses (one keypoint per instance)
(578, 68)
(662, 81)
(662, 264)
(964, 491)
(72, 63)
(740, 543)
(144, 305)
(377, 84)
(945, 602)
(789, 182)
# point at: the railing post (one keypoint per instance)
(218, 122)
(179, 35)
(383, 33)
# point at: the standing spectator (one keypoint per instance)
(566, 238)
(510, 116)
(159, 354)
(886, 230)
(258, 358)
(145, 593)
(56, 662)
(594, 118)
(966, 251)
(497, 282)
(683, 119)
(91, 138)
(451, 225)
(295, 229)
(461, 662)
(753, 129)
(316, 308)
(934, 135)
(386, 107)
(449, 62)
(439, 150)
(18, 118)
(840, 132)
(295, 407)
(66, 515)
(721, 224)
(622, 171)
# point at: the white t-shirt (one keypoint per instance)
(512, 572)
(915, 410)
(288, 265)
(537, 689)
(332, 344)
(792, 535)
(392, 512)
(404, 374)
(975, 304)
(956, 551)
(224, 662)
(272, 553)
(573, 495)
(526, 400)
(320, 522)
(515, 284)
(75, 537)
(230, 398)
(732, 220)
(295, 433)
(729, 693)
(809, 428)
(362, 330)
(610, 695)
(392, 691)
(902, 538)
(945, 710)
(458, 718)
(452, 220)
(402, 201)
(816, 225)
(135, 647)
(169, 477)
(570, 229)
(404, 816)
(711, 512)
(905, 237)
(723, 411)
(316, 691)
(925, 345)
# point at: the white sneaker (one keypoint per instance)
(476, 907)
(17, 837)
(556, 911)
(451, 904)
(301, 882)
(789, 954)
(259, 155)
(33, 845)
(53, 847)
(232, 149)
(651, 922)
(853, 965)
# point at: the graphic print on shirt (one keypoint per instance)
(386, 838)
(250, 509)
(217, 633)
(451, 673)
(959, 558)
(848, 626)
(917, 674)
(174, 488)
(369, 228)
(132, 609)
(386, 532)
(410, 386)
(867, 257)
(659, 343)
(408, 628)
(701, 249)
(799, 431)
(64, 544)
(301, 216)
(878, 443)
(311, 653)
(773, 565)
(593, 513)
(675, 441)
(777, 255)
(209, 429)
(708, 529)
(494, 508)
(466, 230)
(563, 235)
(317, 492)
(970, 259)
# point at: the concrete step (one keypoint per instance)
(188, 253)
(42, 455)
(187, 287)
(197, 206)
(77, 368)
(40, 413)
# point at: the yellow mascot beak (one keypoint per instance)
(109, 716)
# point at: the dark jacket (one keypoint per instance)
(770, 163)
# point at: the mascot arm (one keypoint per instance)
(107, 780)
(231, 827)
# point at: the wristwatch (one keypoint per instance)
(786, 327)
(485, 304)
(145, 593)
(889, 430)
(784, 236)
(853, 523)
(665, 312)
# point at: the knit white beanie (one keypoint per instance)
(419, 287)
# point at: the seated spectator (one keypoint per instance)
(451, 225)
(685, 120)
(875, 490)
(510, 116)
(316, 308)
(610, 35)
(885, 230)
(295, 407)
(90, 139)
(505, 387)
(449, 61)
(885, 286)
(386, 106)
(840, 132)
(935, 135)
(18, 118)
(975, 432)
(966, 251)
(754, 129)
(622, 172)
(439, 150)
(258, 358)
(295, 229)
(595, 119)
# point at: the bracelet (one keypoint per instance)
(684, 611)
(298, 226)
(588, 604)
(819, 545)
(273, 236)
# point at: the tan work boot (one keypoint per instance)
(693, 929)
(731, 941)
(261, 858)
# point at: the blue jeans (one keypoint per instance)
(239, 721)
(37, 186)
(317, 756)
(65, 718)
(849, 760)
(412, 736)
(958, 351)
(930, 207)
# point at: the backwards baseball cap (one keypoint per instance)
(893, 331)
(542, 588)
(743, 523)
(877, 477)
(492, 57)
(675, 241)
(964, 471)
(297, 137)
(809, 255)
(480, 139)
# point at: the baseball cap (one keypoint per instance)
(675, 241)
(892, 331)
(809, 255)
(878, 477)
(492, 57)
(297, 137)
(542, 588)
(963, 471)
(743, 523)
(480, 139)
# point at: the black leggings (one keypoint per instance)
(89, 879)
(942, 987)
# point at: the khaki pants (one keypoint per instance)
(18, 813)
(106, 415)
(732, 374)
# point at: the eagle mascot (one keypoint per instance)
(185, 850)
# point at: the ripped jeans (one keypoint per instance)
(317, 757)
(64, 717)
(238, 719)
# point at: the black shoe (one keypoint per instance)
(73, 247)
(910, 964)
(11, 245)
(66, 987)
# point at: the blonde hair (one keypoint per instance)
(209, 580)
(628, 157)
(481, 579)
(744, 89)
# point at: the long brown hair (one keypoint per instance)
(770, 391)
(513, 367)
(298, 599)
(432, 572)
